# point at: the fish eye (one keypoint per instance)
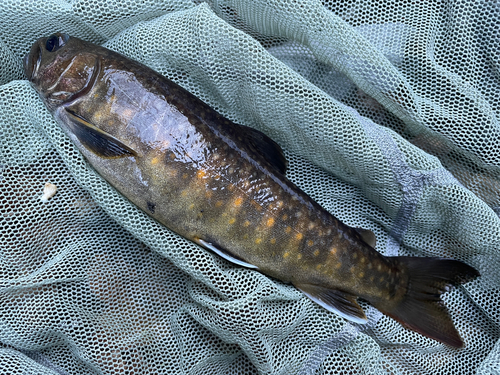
(56, 41)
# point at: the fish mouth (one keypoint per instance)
(32, 61)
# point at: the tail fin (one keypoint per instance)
(421, 309)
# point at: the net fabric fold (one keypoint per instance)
(388, 118)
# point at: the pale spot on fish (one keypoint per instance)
(361, 275)
(299, 256)
(362, 260)
(338, 265)
(209, 193)
(191, 206)
(230, 170)
(184, 176)
(379, 267)
(279, 204)
(354, 256)
(370, 266)
(311, 226)
(171, 156)
(219, 203)
(184, 193)
(245, 236)
(352, 269)
(381, 279)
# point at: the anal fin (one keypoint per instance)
(336, 301)
(223, 253)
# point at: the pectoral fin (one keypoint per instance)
(223, 253)
(96, 140)
(341, 303)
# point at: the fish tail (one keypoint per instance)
(421, 308)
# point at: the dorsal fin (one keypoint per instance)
(265, 146)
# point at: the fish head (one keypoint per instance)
(61, 68)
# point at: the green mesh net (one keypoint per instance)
(388, 115)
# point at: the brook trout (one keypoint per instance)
(223, 186)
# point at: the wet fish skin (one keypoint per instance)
(222, 185)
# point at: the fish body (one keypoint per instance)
(223, 186)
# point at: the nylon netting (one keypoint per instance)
(388, 114)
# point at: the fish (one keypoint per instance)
(223, 186)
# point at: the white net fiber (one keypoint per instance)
(388, 114)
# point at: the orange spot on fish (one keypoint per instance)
(245, 236)
(338, 265)
(311, 226)
(279, 204)
(352, 269)
(299, 256)
(191, 206)
(286, 255)
(318, 267)
(217, 177)
(201, 173)
(284, 217)
(232, 221)
(333, 250)
(171, 156)
(288, 230)
(310, 243)
(361, 274)
(230, 187)
(382, 279)
(246, 223)
(299, 236)
(155, 160)
(270, 222)
(184, 176)
(209, 193)
(219, 203)
(354, 256)
(272, 240)
(258, 241)
(238, 201)
(316, 253)
(184, 193)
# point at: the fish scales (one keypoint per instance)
(223, 186)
